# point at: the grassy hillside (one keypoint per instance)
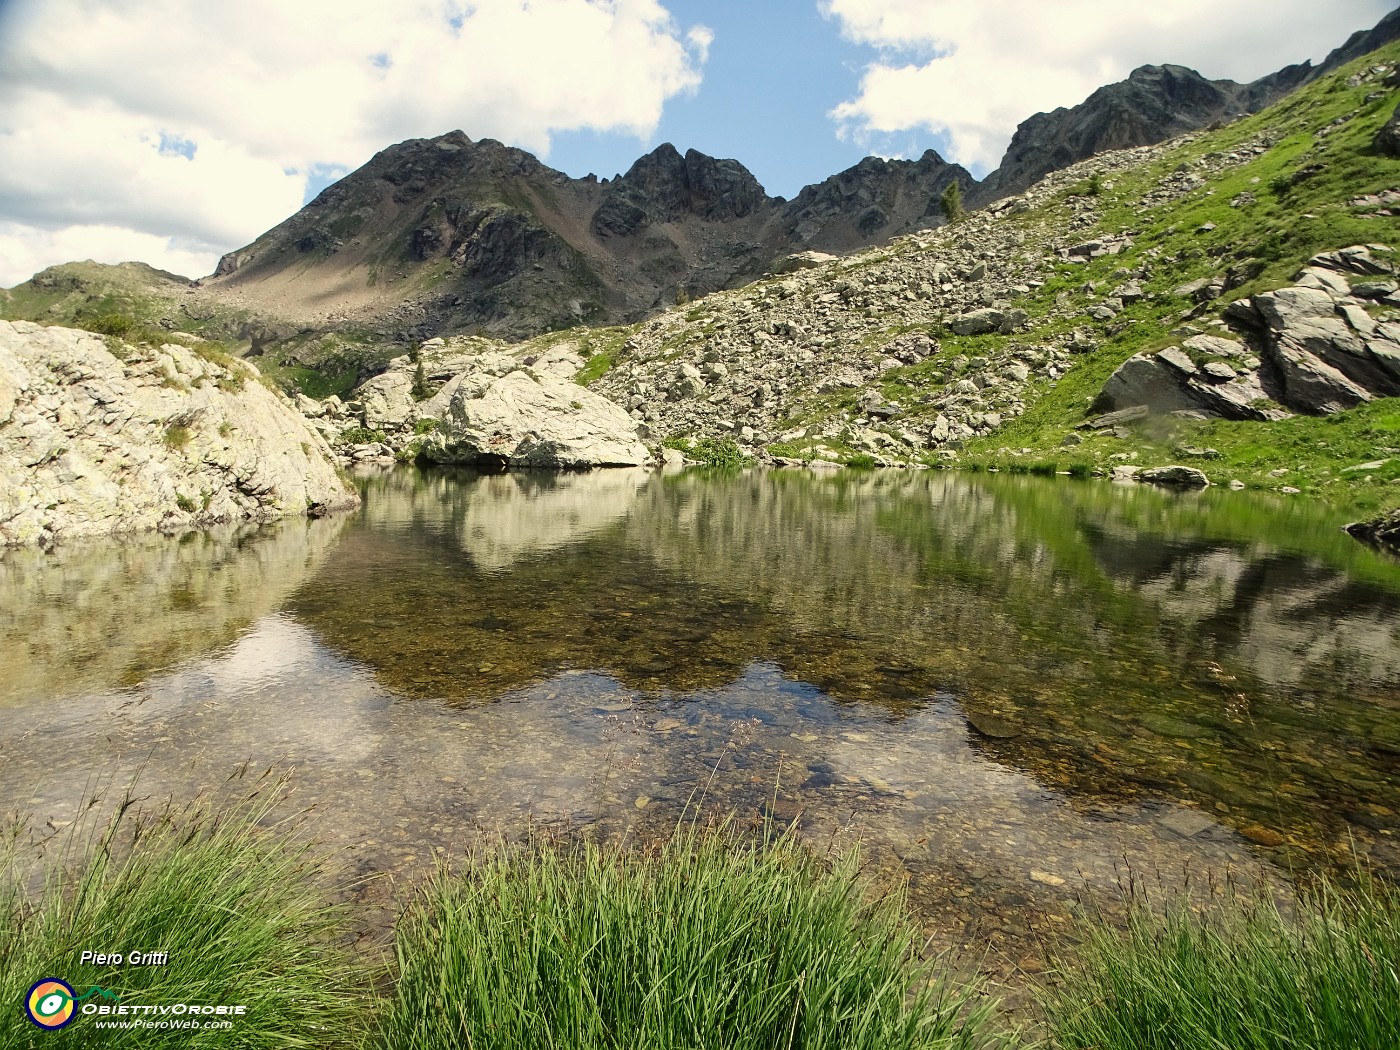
(1248, 204)
(1318, 160)
(141, 304)
(1244, 206)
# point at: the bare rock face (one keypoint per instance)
(1320, 352)
(96, 440)
(387, 400)
(1388, 138)
(663, 186)
(1171, 381)
(498, 412)
(1383, 530)
(1175, 476)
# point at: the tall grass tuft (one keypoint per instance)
(234, 902)
(1241, 975)
(705, 941)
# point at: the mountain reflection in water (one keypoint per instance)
(1008, 687)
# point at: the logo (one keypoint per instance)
(49, 1003)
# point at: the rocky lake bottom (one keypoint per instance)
(1017, 694)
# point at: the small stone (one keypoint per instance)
(1046, 878)
(992, 726)
(1262, 835)
(1219, 371)
(1188, 823)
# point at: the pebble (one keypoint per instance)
(1262, 835)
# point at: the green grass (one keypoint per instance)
(704, 941)
(1241, 976)
(707, 939)
(233, 899)
(177, 436)
(712, 452)
(362, 436)
(1302, 184)
(594, 368)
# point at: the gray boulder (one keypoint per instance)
(1291, 307)
(1310, 384)
(94, 442)
(1175, 475)
(1169, 381)
(977, 322)
(387, 401)
(1327, 353)
(516, 417)
(1358, 259)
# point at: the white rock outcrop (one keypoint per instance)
(499, 411)
(98, 438)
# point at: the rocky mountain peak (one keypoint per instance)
(663, 186)
(876, 197)
(448, 234)
(1153, 104)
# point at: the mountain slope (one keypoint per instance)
(1154, 104)
(987, 342)
(452, 235)
(446, 235)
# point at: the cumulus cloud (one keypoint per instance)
(196, 126)
(973, 71)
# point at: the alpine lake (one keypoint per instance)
(1017, 694)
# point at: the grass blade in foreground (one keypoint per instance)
(1243, 976)
(705, 941)
(237, 908)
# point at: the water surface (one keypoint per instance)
(1014, 691)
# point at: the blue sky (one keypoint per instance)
(172, 132)
(773, 74)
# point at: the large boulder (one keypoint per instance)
(387, 401)
(1384, 530)
(501, 413)
(1326, 353)
(99, 438)
(1388, 138)
(1309, 383)
(1175, 476)
(1223, 386)
(979, 322)
(1320, 351)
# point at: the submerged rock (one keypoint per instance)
(99, 438)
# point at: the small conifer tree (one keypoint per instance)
(951, 202)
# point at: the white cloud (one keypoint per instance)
(97, 96)
(26, 249)
(974, 70)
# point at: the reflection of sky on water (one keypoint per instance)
(1009, 689)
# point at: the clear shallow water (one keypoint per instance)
(1012, 690)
